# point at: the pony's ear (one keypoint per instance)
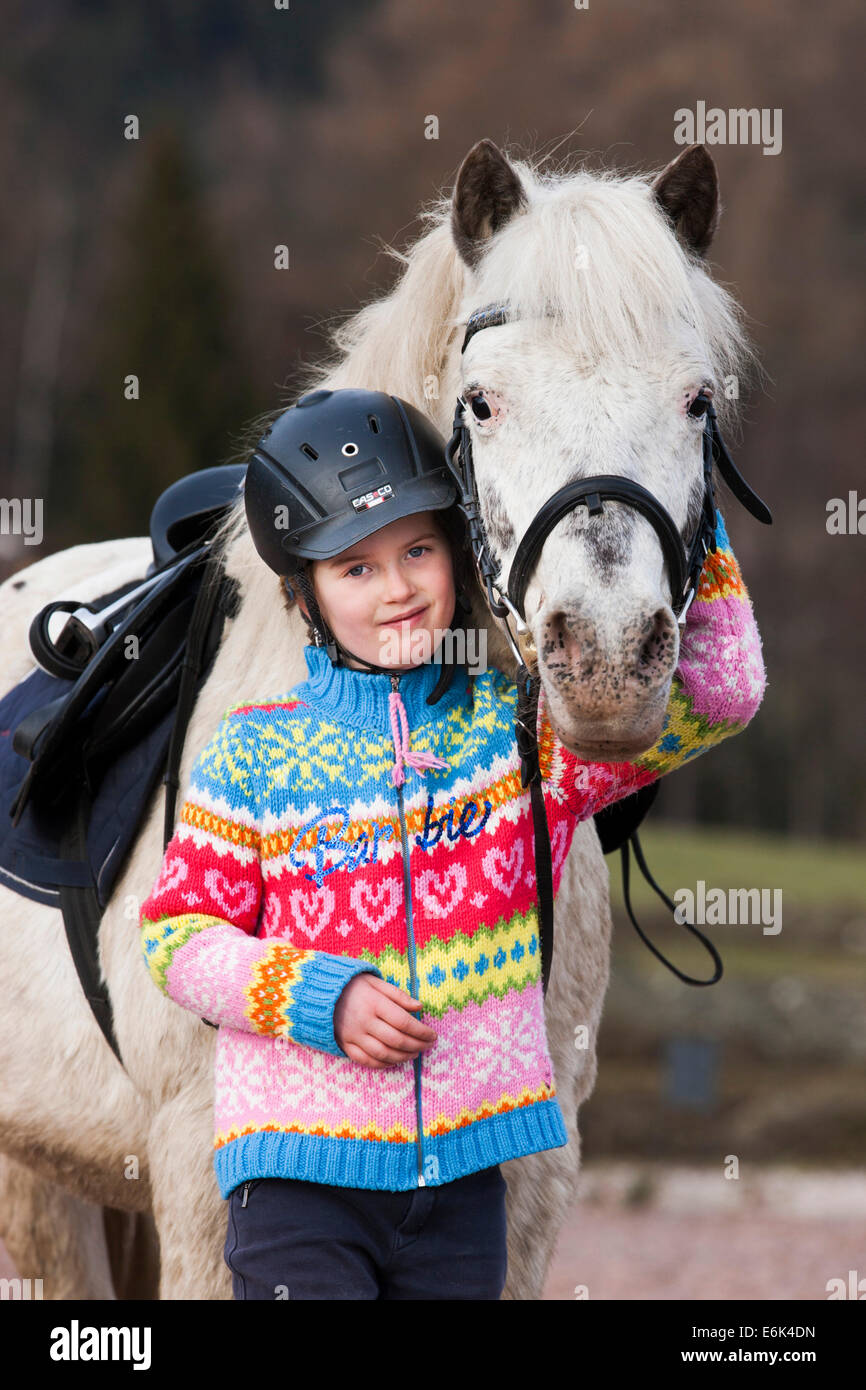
(688, 193)
(487, 194)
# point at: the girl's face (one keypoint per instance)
(390, 597)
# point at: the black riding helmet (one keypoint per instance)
(333, 469)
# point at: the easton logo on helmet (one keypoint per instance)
(372, 499)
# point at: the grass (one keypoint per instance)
(812, 874)
(741, 961)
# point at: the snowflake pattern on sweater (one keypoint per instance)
(285, 878)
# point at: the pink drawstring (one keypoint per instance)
(401, 743)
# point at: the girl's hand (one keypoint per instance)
(374, 1026)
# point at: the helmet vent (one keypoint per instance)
(373, 423)
(309, 451)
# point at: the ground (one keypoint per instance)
(665, 1232)
(661, 1231)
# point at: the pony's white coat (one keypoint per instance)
(615, 326)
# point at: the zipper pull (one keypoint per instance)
(246, 1194)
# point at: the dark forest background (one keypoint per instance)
(306, 127)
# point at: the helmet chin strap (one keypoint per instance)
(335, 648)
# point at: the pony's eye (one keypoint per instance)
(479, 407)
(699, 405)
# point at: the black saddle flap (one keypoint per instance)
(145, 688)
(30, 860)
(26, 734)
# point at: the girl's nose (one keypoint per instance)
(397, 585)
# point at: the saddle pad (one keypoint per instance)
(30, 862)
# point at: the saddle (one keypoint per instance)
(86, 737)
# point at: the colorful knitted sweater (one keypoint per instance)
(316, 841)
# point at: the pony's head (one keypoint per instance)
(613, 328)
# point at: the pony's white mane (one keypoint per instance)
(593, 249)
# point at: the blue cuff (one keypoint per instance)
(322, 980)
(721, 532)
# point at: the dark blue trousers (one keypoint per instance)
(310, 1240)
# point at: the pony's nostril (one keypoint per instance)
(569, 643)
(658, 644)
(559, 643)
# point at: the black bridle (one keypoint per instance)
(684, 564)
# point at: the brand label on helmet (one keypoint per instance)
(372, 499)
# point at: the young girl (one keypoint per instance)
(350, 892)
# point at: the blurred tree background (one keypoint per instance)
(305, 126)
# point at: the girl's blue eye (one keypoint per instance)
(360, 565)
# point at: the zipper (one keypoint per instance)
(246, 1194)
(413, 986)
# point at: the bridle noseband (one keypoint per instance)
(684, 567)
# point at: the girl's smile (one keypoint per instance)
(406, 618)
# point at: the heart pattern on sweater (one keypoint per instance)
(233, 898)
(174, 871)
(503, 870)
(384, 898)
(311, 911)
(437, 896)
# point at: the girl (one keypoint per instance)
(350, 891)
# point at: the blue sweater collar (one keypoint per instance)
(361, 697)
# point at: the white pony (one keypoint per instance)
(613, 319)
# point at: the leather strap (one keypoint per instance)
(81, 917)
(642, 865)
(592, 492)
(528, 689)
